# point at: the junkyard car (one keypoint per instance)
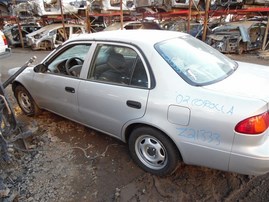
(4, 49)
(237, 37)
(48, 7)
(13, 35)
(108, 5)
(51, 36)
(168, 95)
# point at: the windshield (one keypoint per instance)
(196, 62)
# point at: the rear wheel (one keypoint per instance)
(26, 102)
(153, 151)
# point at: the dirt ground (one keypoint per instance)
(66, 161)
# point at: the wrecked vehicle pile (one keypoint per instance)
(237, 37)
(12, 33)
(51, 36)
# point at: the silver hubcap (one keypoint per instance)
(151, 152)
(25, 102)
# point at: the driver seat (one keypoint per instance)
(75, 70)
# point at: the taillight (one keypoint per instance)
(4, 39)
(253, 125)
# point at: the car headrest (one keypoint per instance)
(116, 60)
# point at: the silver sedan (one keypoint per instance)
(168, 95)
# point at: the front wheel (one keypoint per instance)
(153, 151)
(25, 101)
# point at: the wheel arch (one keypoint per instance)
(15, 84)
(133, 126)
(32, 108)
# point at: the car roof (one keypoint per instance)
(131, 36)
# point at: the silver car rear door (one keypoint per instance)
(107, 100)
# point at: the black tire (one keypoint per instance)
(153, 151)
(26, 102)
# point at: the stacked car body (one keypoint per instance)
(51, 36)
(52, 7)
(238, 37)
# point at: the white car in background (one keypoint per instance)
(4, 49)
(51, 36)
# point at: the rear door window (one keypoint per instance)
(118, 64)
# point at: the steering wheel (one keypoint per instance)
(71, 62)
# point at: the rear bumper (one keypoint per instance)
(249, 165)
(250, 154)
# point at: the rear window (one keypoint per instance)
(196, 62)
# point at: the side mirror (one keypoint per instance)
(40, 68)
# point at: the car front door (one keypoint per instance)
(56, 90)
(116, 89)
